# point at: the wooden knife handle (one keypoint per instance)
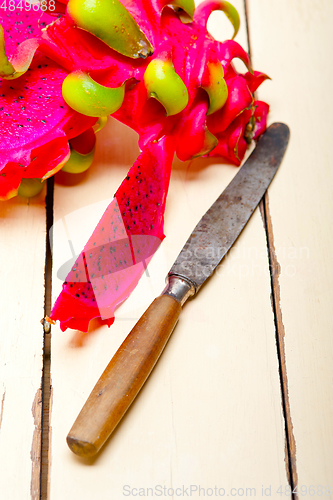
(123, 377)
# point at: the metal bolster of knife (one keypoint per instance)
(179, 287)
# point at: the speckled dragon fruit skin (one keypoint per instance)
(96, 285)
(124, 240)
(36, 123)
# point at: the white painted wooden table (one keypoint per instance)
(241, 402)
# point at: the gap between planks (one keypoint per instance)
(274, 269)
(46, 378)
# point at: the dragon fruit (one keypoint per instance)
(36, 122)
(128, 234)
(153, 65)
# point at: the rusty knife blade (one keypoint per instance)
(218, 229)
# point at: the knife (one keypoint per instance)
(209, 242)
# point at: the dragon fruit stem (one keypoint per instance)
(164, 84)
(6, 68)
(20, 61)
(215, 86)
(204, 10)
(30, 187)
(111, 22)
(187, 6)
(90, 98)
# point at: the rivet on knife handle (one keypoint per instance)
(127, 371)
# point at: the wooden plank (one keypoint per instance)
(290, 41)
(211, 414)
(22, 254)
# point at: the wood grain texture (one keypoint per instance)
(290, 41)
(124, 377)
(22, 256)
(210, 413)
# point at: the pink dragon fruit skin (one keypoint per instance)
(35, 120)
(126, 237)
(110, 266)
